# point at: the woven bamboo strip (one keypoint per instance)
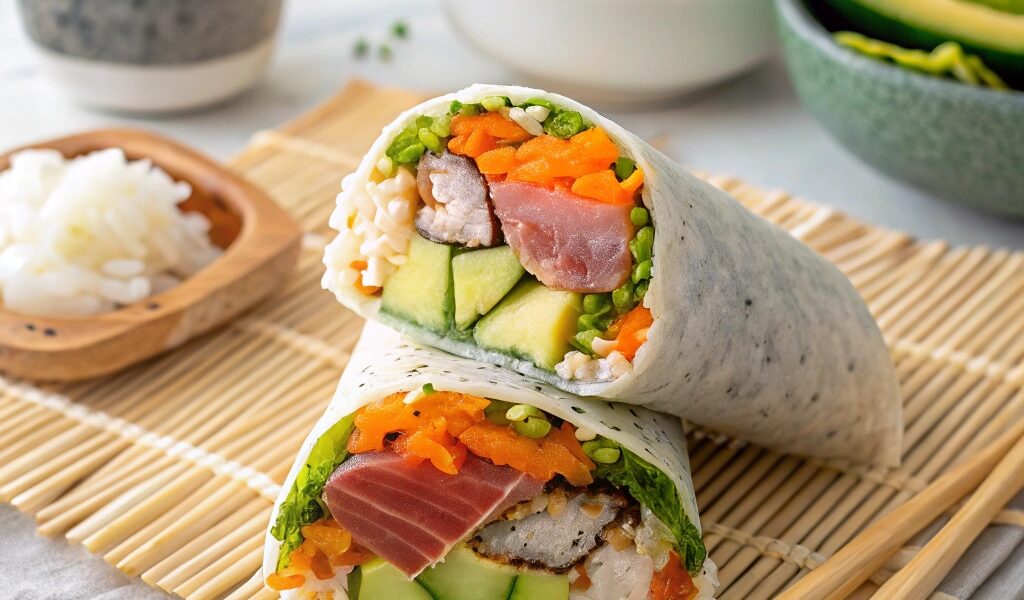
(187, 518)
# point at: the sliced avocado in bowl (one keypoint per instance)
(992, 29)
(420, 291)
(532, 322)
(481, 278)
(465, 576)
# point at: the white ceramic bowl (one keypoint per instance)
(620, 49)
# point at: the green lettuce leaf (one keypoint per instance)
(657, 492)
(304, 504)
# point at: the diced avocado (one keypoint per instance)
(532, 322)
(540, 585)
(378, 580)
(420, 290)
(994, 30)
(482, 278)
(465, 576)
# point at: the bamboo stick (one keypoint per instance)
(852, 565)
(927, 569)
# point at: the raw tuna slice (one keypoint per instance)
(566, 241)
(412, 516)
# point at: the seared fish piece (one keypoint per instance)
(457, 206)
(553, 539)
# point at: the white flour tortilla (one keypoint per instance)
(384, 363)
(755, 335)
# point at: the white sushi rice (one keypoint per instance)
(375, 222)
(86, 235)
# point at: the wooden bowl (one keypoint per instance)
(261, 245)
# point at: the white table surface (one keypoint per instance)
(752, 127)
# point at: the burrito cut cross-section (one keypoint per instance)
(521, 228)
(433, 476)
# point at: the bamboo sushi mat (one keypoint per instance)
(169, 469)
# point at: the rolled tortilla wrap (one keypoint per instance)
(639, 513)
(753, 334)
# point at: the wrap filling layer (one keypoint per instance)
(435, 494)
(520, 228)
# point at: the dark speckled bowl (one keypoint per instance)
(152, 55)
(962, 143)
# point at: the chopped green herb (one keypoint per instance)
(384, 52)
(454, 107)
(622, 298)
(362, 48)
(590, 321)
(430, 140)
(606, 456)
(597, 304)
(406, 148)
(639, 216)
(624, 167)
(495, 412)
(642, 271)
(493, 103)
(520, 412)
(400, 30)
(565, 124)
(533, 427)
(410, 153)
(541, 102)
(641, 290)
(442, 126)
(584, 339)
(642, 246)
(428, 389)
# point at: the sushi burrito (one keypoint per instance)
(431, 476)
(520, 228)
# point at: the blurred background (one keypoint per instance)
(750, 126)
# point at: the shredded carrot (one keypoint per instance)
(492, 123)
(329, 537)
(602, 186)
(545, 159)
(542, 459)
(321, 566)
(279, 582)
(443, 427)
(632, 330)
(433, 443)
(374, 421)
(632, 183)
(497, 161)
(672, 582)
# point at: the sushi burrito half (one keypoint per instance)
(521, 228)
(432, 476)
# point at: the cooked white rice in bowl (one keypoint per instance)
(93, 233)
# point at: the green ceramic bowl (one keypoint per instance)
(962, 143)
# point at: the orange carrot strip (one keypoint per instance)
(632, 328)
(285, 582)
(602, 186)
(497, 161)
(492, 123)
(478, 142)
(632, 183)
(541, 459)
(672, 582)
